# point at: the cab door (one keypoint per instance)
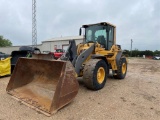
(110, 35)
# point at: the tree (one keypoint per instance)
(126, 52)
(4, 42)
(156, 52)
(135, 53)
(147, 53)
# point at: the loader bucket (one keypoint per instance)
(43, 56)
(45, 85)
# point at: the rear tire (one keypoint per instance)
(122, 69)
(95, 74)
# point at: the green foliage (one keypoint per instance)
(4, 42)
(126, 53)
(137, 53)
(156, 52)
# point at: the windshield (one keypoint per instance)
(104, 35)
(95, 33)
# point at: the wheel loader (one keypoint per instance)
(47, 85)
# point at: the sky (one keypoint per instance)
(138, 20)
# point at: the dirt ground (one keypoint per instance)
(137, 97)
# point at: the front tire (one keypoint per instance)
(95, 74)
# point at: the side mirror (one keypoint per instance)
(80, 31)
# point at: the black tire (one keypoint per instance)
(122, 69)
(91, 74)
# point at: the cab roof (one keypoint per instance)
(101, 23)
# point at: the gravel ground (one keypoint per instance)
(137, 97)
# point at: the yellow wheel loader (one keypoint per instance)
(47, 85)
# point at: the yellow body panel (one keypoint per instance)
(109, 54)
(5, 67)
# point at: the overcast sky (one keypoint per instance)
(135, 19)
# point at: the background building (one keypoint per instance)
(48, 45)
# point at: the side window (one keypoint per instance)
(111, 37)
(89, 35)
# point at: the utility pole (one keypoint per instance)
(34, 26)
(131, 47)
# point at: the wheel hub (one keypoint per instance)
(100, 75)
(124, 68)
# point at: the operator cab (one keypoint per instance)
(103, 33)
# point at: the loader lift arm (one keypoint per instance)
(77, 61)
